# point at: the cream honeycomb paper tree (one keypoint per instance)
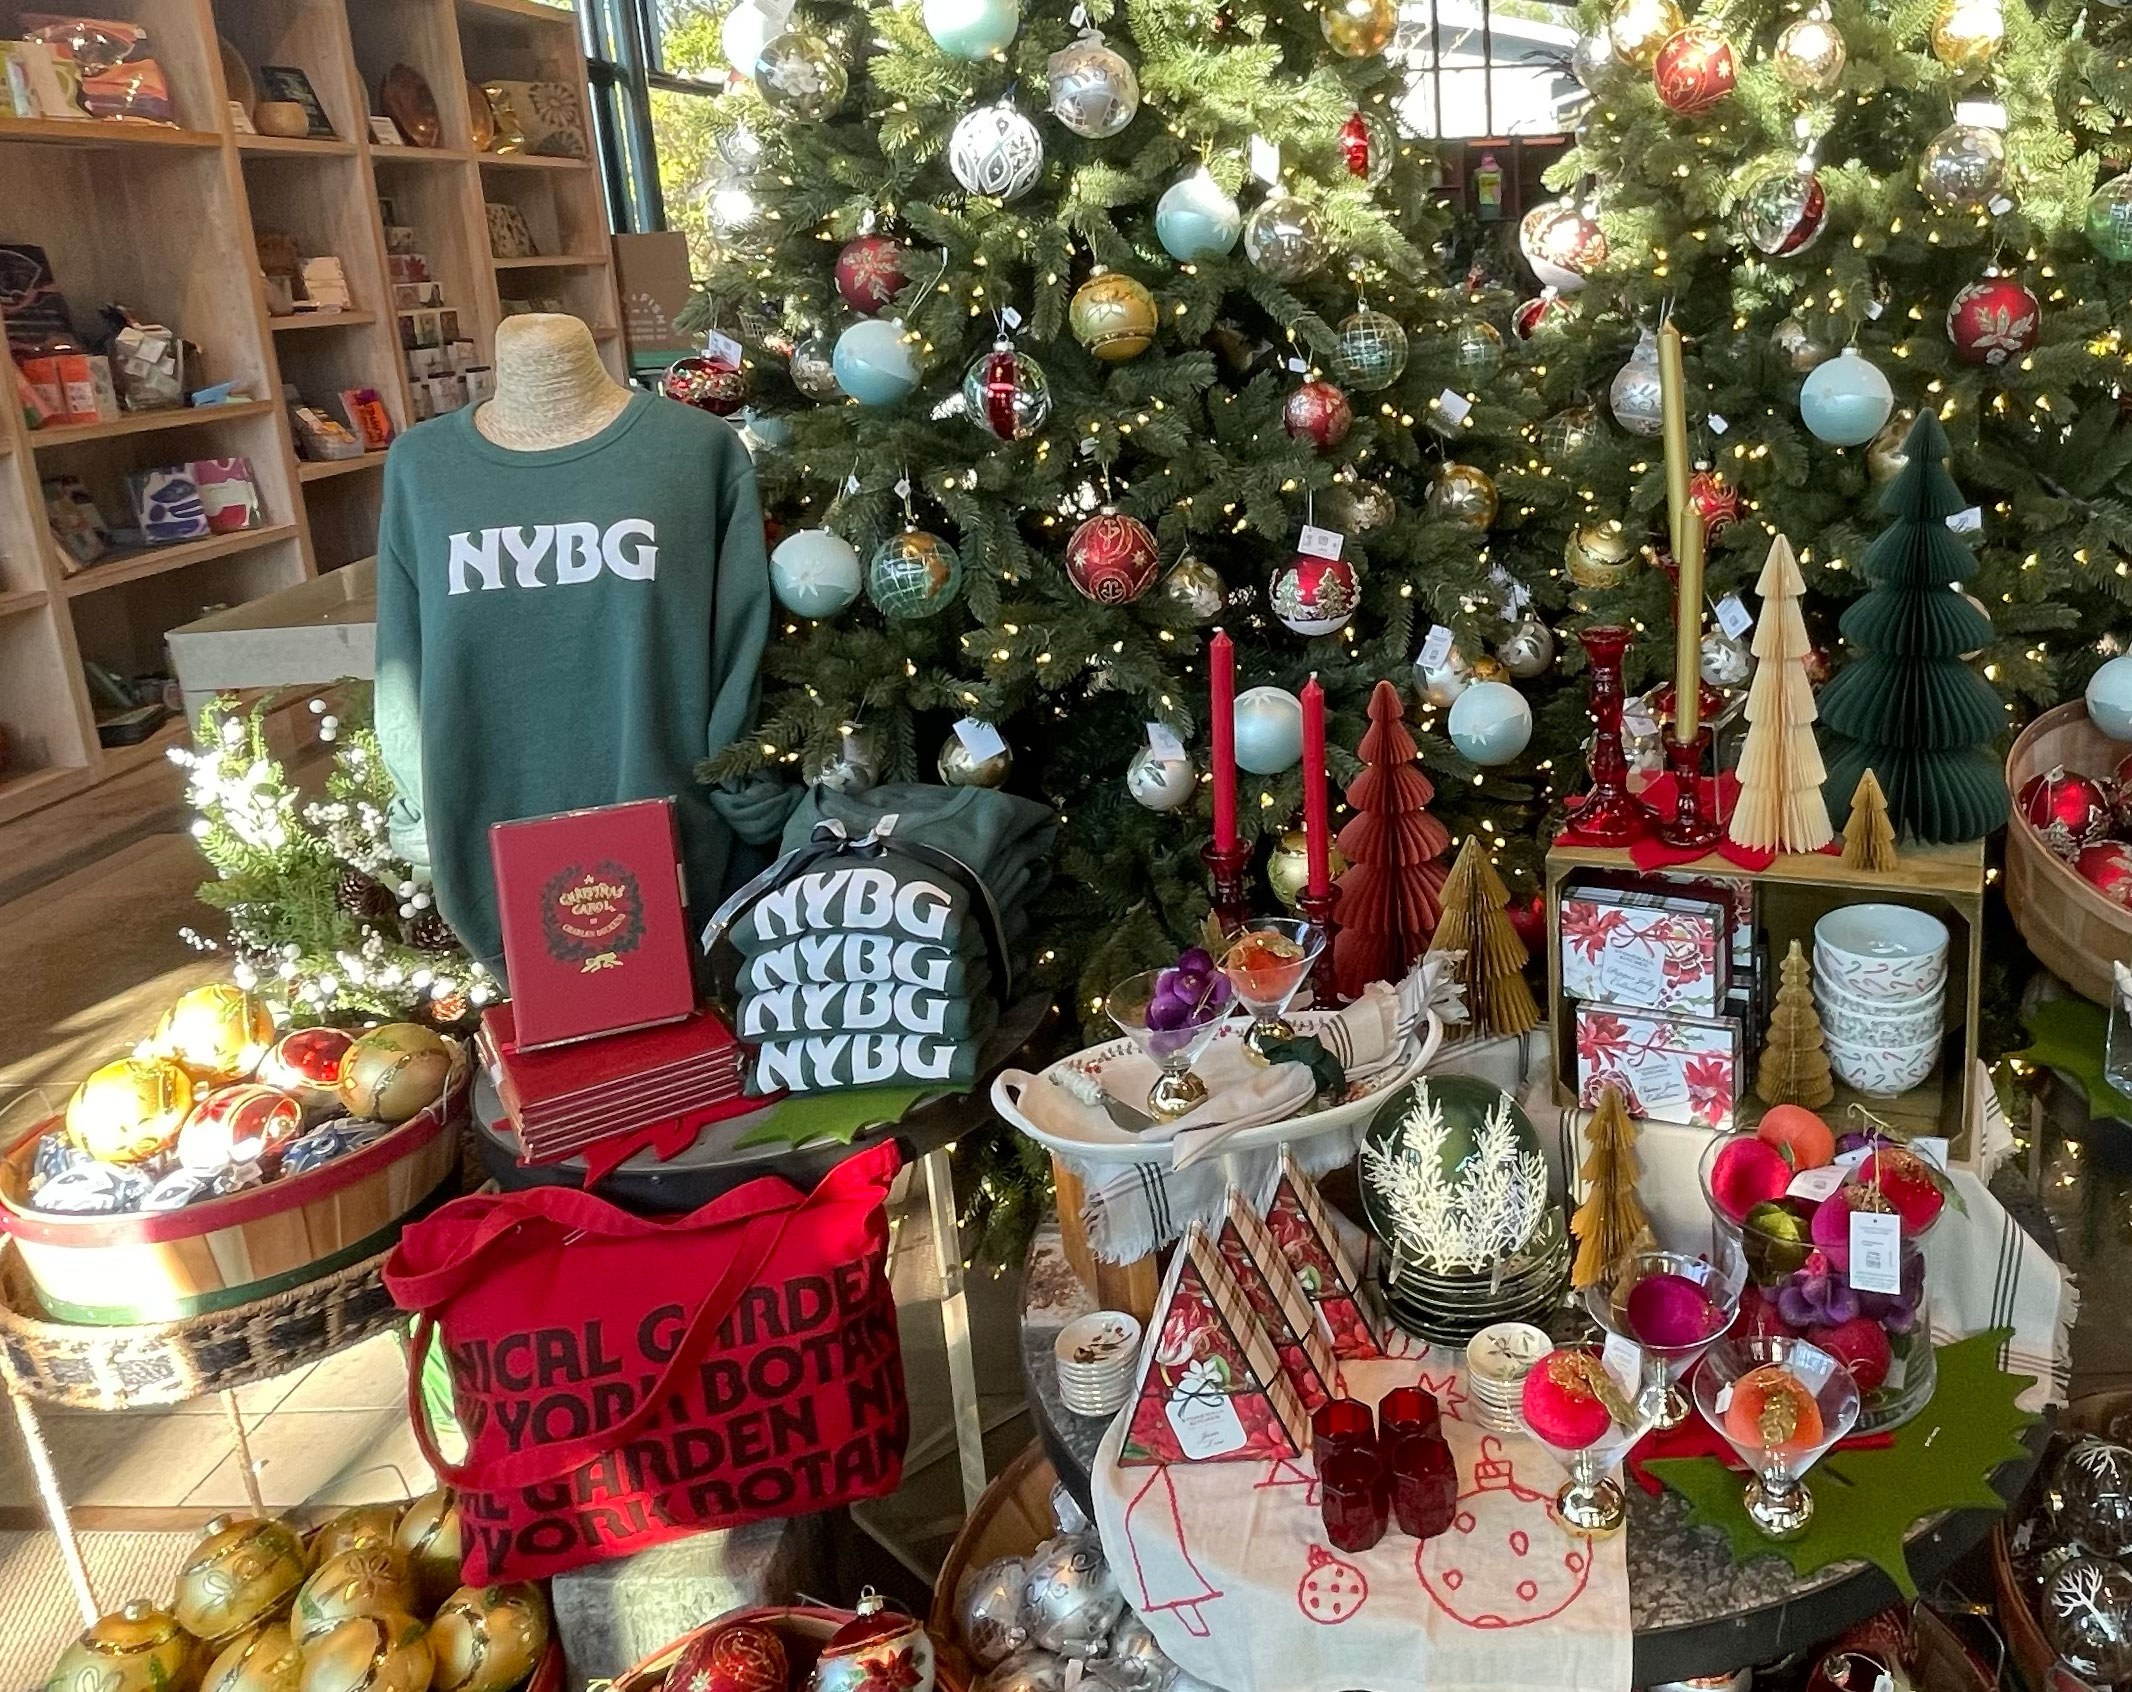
(1781, 807)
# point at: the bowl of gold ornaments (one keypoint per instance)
(224, 1159)
(369, 1602)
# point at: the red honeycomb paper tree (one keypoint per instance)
(1390, 892)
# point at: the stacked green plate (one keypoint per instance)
(1450, 1308)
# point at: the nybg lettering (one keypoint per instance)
(573, 553)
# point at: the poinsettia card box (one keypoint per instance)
(1682, 1069)
(1646, 950)
(1329, 1274)
(1291, 1321)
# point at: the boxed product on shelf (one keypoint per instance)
(1646, 949)
(421, 329)
(229, 493)
(480, 382)
(407, 267)
(325, 285)
(412, 296)
(320, 438)
(36, 86)
(147, 361)
(76, 522)
(119, 75)
(1669, 1068)
(363, 410)
(464, 355)
(543, 118)
(425, 362)
(30, 300)
(166, 505)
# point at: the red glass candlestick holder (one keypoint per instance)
(1609, 815)
(1691, 827)
(1232, 883)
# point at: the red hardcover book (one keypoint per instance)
(593, 933)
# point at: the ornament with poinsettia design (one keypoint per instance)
(1318, 412)
(740, 1658)
(2107, 867)
(1314, 596)
(1716, 499)
(1693, 70)
(1112, 558)
(869, 272)
(1993, 321)
(2069, 811)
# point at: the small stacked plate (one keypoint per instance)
(1498, 1359)
(1450, 1307)
(1097, 1357)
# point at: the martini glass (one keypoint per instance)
(1780, 1403)
(1267, 960)
(1675, 1307)
(1175, 1047)
(1591, 1501)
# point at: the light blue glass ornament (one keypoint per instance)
(972, 29)
(1195, 220)
(1269, 730)
(814, 573)
(2110, 698)
(873, 362)
(1846, 400)
(1491, 723)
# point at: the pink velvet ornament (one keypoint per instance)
(1671, 1310)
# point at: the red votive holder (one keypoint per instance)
(1342, 1424)
(1407, 1410)
(1424, 1485)
(1352, 1497)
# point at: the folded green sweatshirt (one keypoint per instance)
(859, 1007)
(887, 893)
(838, 956)
(815, 1063)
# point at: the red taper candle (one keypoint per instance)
(1317, 823)
(1221, 673)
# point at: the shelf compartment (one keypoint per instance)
(103, 132)
(554, 261)
(527, 11)
(530, 161)
(133, 564)
(25, 790)
(321, 320)
(118, 760)
(148, 423)
(24, 599)
(301, 146)
(325, 469)
(380, 154)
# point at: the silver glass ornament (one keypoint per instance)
(1161, 784)
(1528, 649)
(799, 75)
(741, 148)
(1635, 397)
(989, 1611)
(1005, 392)
(1026, 1671)
(1568, 434)
(1809, 56)
(1138, 1663)
(1477, 353)
(1725, 662)
(1784, 212)
(1962, 167)
(813, 366)
(1596, 65)
(2087, 1619)
(1103, 1675)
(2109, 219)
(1072, 1599)
(1441, 684)
(959, 769)
(2093, 1481)
(732, 213)
(996, 151)
(1094, 91)
(852, 768)
(1371, 350)
(1284, 237)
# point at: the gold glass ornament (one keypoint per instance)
(1288, 866)
(1798, 346)
(1465, 493)
(428, 1537)
(136, 1648)
(1359, 508)
(392, 1072)
(1194, 589)
(1357, 28)
(1528, 649)
(1638, 28)
(959, 769)
(361, 1524)
(1967, 35)
(1489, 668)
(487, 1638)
(1885, 458)
(366, 1580)
(388, 1652)
(265, 1659)
(129, 1110)
(1598, 555)
(1962, 167)
(1568, 433)
(237, 1576)
(218, 1032)
(1810, 55)
(1113, 316)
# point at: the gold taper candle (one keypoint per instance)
(1688, 631)
(1673, 402)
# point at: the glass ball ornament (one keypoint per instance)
(972, 29)
(1724, 660)
(1596, 65)
(2070, 812)
(1716, 499)
(1287, 877)
(2109, 698)
(1694, 70)
(1529, 315)
(851, 766)
(799, 75)
(2093, 1482)
(1194, 590)
(1464, 493)
(1598, 555)
(1490, 723)
(1967, 35)
(875, 361)
(1269, 730)
(2109, 219)
(1845, 401)
(870, 272)
(1886, 457)
(1195, 218)
(2087, 1619)
(1367, 146)
(1634, 396)
(815, 573)
(1314, 596)
(913, 575)
(708, 384)
(1317, 412)
(1477, 352)
(1569, 434)
(1284, 238)
(813, 366)
(1113, 316)
(1810, 55)
(1359, 508)
(1528, 649)
(1094, 90)
(996, 151)
(1441, 684)
(1639, 28)
(1072, 1600)
(959, 767)
(1112, 558)
(1562, 243)
(739, 144)
(1799, 346)
(1006, 393)
(1993, 321)
(1962, 167)
(732, 213)
(1784, 212)
(1161, 784)
(1369, 350)
(1357, 28)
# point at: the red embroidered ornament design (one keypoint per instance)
(1503, 1564)
(1331, 1590)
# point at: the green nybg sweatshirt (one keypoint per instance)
(563, 629)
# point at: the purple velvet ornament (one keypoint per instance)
(1816, 1296)
(1668, 1310)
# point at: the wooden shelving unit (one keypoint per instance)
(164, 219)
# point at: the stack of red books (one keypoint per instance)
(565, 1098)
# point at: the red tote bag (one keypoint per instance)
(622, 1381)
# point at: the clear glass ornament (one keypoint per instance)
(1962, 167)
(1371, 351)
(1810, 55)
(799, 75)
(813, 366)
(1006, 393)
(1094, 91)
(1784, 212)
(1477, 354)
(2109, 219)
(1284, 238)
(1634, 397)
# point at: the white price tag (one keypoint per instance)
(722, 347)
(1724, 1398)
(1717, 423)
(1876, 1252)
(1435, 647)
(1980, 114)
(1163, 744)
(1853, 1158)
(980, 739)
(1088, 446)
(1932, 1148)
(1080, 17)
(1206, 1422)
(1873, 310)
(1633, 975)
(1815, 1185)
(1733, 617)
(1454, 405)
(903, 487)
(2000, 206)
(1320, 543)
(851, 483)
(1265, 160)
(1301, 366)
(1967, 522)
(1623, 1359)
(1011, 318)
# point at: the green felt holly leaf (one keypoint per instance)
(835, 1116)
(1866, 1501)
(2068, 1037)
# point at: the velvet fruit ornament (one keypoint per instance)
(1747, 1172)
(1799, 1133)
(1672, 1310)
(1772, 1410)
(1566, 1399)
(1906, 1182)
(1861, 1346)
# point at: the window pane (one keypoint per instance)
(687, 45)
(685, 38)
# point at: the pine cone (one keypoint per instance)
(362, 897)
(429, 932)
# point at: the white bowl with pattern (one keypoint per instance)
(1881, 951)
(1884, 1071)
(1891, 1022)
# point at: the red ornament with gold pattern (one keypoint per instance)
(870, 272)
(1716, 499)
(878, 1650)
(1694, 69)
(740, 1658)
(1318, 412)
(2068, 810)
(1531, 313)
(2107, 867)
(1112, 558)
(1993, 321)
(708, 384)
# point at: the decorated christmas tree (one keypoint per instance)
(1868, 835)
(1389, 894)
(1611, 1219)
(1476, 923)
(1794, 1067)
(1780, 771)
(1910, 705)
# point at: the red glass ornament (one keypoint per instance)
(708, 384)
(1354, 1500)
(2107, 867)
(1355, 143)
(2068, 811)
(740, 1658)
(878, 1650)
(1531, 313)
(1817, 664)
(1716, 499)
(869, 272)
(240, 1124)
(1993, 321)
(1318, 412)
(1314, 596)
(306, 1064)
(1112, 558)
(1424, 1486)
(1694, 69)
(1529, 923)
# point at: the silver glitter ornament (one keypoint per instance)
(1161, 784)
(1371, 350)
(2087, 1619)
(1635, 397)
(1026, 1671)
(2094, 1487)
(1528, 649)
(1094, 91)
(989, 1611)
(1962, 167)
(958, 768)
(1072, 1599)
(1284, 237)
(1137, 1662)
(1195, 589)
(996, 151)
(813, 366)
(1103, 1675)
(798, 75)
(1726, 662)
(741, 148)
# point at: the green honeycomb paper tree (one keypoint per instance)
(1909, 705)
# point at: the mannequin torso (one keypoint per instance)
(551, 388)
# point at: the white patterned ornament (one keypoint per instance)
(996, 151)
(1161, 784)
(1635, 397)
(815, 573)
(1846, 400)
(1490, 722)
(1094, 91)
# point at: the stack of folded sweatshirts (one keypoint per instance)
(867, 968)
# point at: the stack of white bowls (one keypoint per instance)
(1097, 1356)
(1880, 985)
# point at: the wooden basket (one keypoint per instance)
(2074, 931)
(803, 1629)
(1012, 1519)
(165, 1266)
